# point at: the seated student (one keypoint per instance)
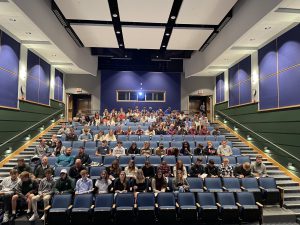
(216, 131)
(22, 166)
(179, 166)
(145, 150)
(258, 168)
(71, 136)
(110, 136)
(59, 149)
(198, 150)
(150, 131)
(7, 188)
(40, 170)
(114, 170)
(225, 170)
(193, 130)
(139, 130)
(84, 185)
(131, 169)
(180, 183)
(52, 142)
(148, 170)
(100, 136)
(173, 151)
(209, 149)
(197, 170)
(172, 130)
(25, 190)
(129, 131)
(165, 169)
(121, 184)
(160, 150)
(85, 158)
(185, 149)
(119, 131)
(119, 149)
(41, 149)
(160, 131)
(103, 149)
(204, 130)
(63, 130)
(133, 150)
(224, 149)
(182, 131)
(159, 183)
(64, 184)
(211, 170)
(65, 159)
(86, 135)
(140, 183)
(103, 183)
(75, 170)
(45, 192)
(243, 170)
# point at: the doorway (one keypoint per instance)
(78, 102)
(199, 104)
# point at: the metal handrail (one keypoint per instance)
(270, 142)
(24, 131)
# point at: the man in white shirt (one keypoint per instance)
(8, 186)
(224, 149)
(151, 118)
(119, 149)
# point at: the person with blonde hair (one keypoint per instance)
(140, 183)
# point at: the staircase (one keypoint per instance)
(291, 188)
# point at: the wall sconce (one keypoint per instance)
(249, 138)
(267, 150)
(28, 137)
(235, 128)
(225, 121)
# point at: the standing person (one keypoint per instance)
(25, 190)
(103, 183)
(258, 168)
(45, 192)
(159, 183)
(8, 186)
(84, 185)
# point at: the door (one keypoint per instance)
(201, 104)
(81, 102)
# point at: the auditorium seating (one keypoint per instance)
(103, 208)
(82, 209)
(228, 209)
(146, 208)
(187, 209)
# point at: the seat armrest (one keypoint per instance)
(280, 188)
(177, 205)
(156, 205)
(224, 189)
(70, 207)
(114, 206)
(198, 205)
(205, 188)
(218, 204)
(238, 204)
(259, 204)
(47, 208)
(261, 188)
(135, 206)
(92, 206)
(243, 188)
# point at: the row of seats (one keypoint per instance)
(153, 144)
(156, 160)
(148, 208)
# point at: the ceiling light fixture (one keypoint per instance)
(115, 15)
(121, 45)
(252, 39)
(268, 28)
(28, 33)
(173, 17)
(12, 20)
(163, 46)
(157, 56)
(167, 34)
(118, 32)
(53, 55)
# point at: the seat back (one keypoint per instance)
(166, 199)
(90, 151)
(127, 144)
(249, 183)
(139, 160)
(204, 159)
(186, 199)
(199, 138)
(226, 198)
(124, 159)
(124, 200)
(95, 171)
(61, 201)
(231, 183)
(108, 160)
(83, 201)
(52, 161)
(133, 137)
(178, 138)
(176, 144)
(213, 183)
(97, 159)
(267, 182)
(206, 199)
(104, 200)
(245, 198)
(145, 199)
(122, 137)
(77, 144)
(67, 144)
(170, 159)
(58, 169)
(167, 138)
(217, 159)
(220, 138)
(185, 159)
(210, 138)
(232, 159)
(165, 143)
(90, 144)
(155, 160)
(189, 138)
(242, 159)
(236, 151)
(156, 138)
(195, 182)
(144, 138)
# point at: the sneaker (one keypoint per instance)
(34, 217)
(5, 218)
(43, 217)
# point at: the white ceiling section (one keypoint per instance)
(204, 11)
(188, 39)
(85, 9)
(143, 37)
(151, 11)
(96, 35)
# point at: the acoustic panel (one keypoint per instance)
(58, 88)
(268, 93)
(220, 88)
(9, 70)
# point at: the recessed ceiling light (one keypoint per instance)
(268, 28)
(167, 34)
(12, 20)
(53, 55)
(28, 33)
(121, 45)
(252, 39)
(226, 59)
(157, 56)
(115, 15)
(163, 46)
(125, 56)
(173, 17)
(118, 32)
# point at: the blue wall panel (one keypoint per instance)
(9, 70)
(267, 58)
(111, 81)
(220, 88)
(268, 95)
(58, 89)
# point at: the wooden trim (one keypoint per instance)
(52, 99)
(10, 108)
(235, 106)
(256, 149)
(36, 103)
(27, 144)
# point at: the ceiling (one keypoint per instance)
(118, 28)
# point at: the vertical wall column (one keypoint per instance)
(22, 72)
(226, 86)
(52, 82)
(255, 76)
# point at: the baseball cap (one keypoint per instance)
(64, 171)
